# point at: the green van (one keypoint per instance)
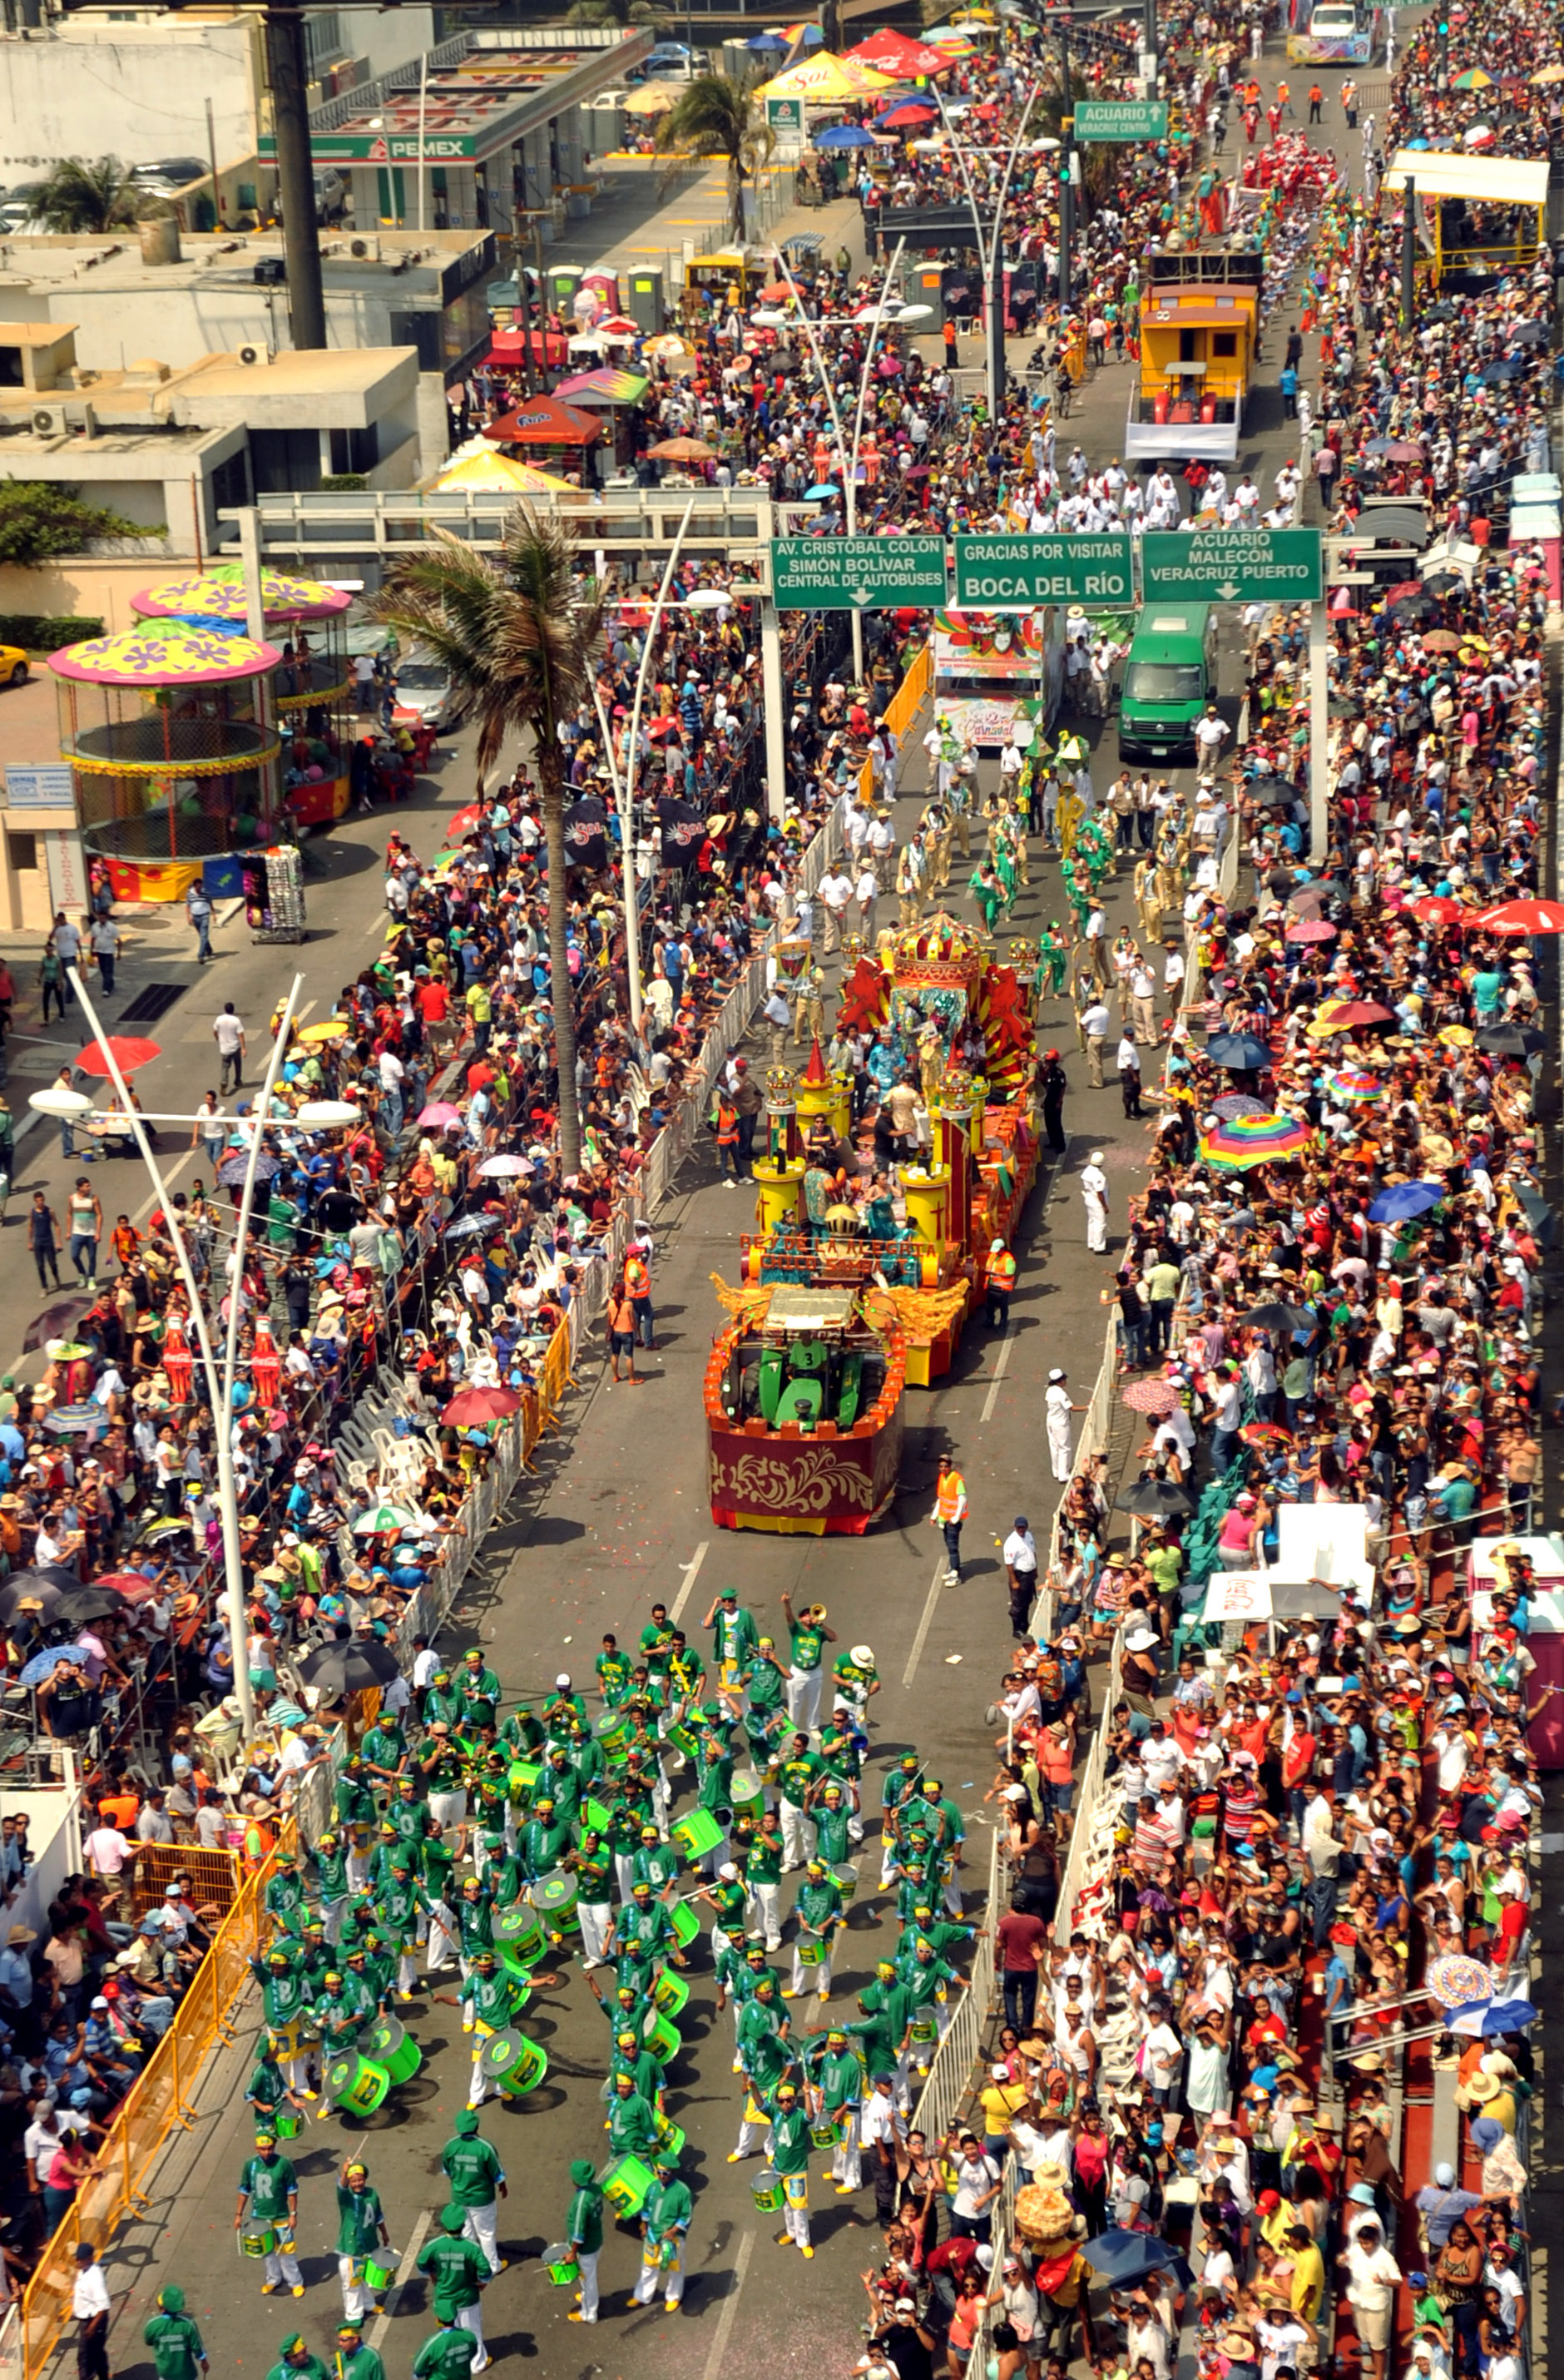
(1168, 678)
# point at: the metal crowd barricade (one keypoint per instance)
(950, 2069)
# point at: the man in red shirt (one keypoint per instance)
(434, 1006)
(1021, 1941)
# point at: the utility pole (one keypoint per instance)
(1409, 249)
(288, 75)
(1066, 164)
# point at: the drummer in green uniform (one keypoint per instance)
(354, 1809)
(472, 2168)
(614, 1674)
(834, 2090)
(592, 1865)
(665, 2222)
(178, 2351)
(398, 1908)
(331, 1880)
(459, 2272)
(384, 1748)
(269, 2202)
(267, 2091)
(488, 2001)
(284, 2004)
(762, 1877)
(360, 2231)
(584, 2230)
(734, 1639)
(298, 2363)
(899, 1789)
(631, 2125)
(451, 2354)
(542, 1844)
(817, 1910)
(632, 2057)
(352, 2360)
(790, 2146)
(283, 1898)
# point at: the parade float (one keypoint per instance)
(840, 1308)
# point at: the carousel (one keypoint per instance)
(841, 1307)
(174, 760)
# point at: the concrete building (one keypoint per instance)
(172, 448)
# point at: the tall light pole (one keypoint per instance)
(991, 255)
(322, 1115)
(849, 448)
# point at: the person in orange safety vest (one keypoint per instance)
(1001, 1282)
(950, 1511)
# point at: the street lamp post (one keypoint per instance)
(322, 1115)
(991, 256)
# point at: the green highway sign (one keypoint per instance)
(1232, 565)
(1120, 119)
(857, 573)
(1013, 573)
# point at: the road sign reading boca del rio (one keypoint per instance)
(1007, 574)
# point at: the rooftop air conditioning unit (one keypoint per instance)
(254, 355)
(364, 251)
(48, 421)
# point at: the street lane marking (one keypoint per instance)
(382, 2323)
(170, 1175)
(1000, 1370)
(717, 2358)
(691, 1575)
(924, 1625)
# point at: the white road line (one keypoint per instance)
(924, 1625)
(299, 1015)
(1000, 1370)
(717, 2358)
(170, 1175)
(375, 2337)
(691, 1575)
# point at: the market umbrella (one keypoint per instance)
(680, 450)
(53, 1322)
(1312, 930)
(1349, 1083)
(440, 1113)
(1240, 1053)
(1405, 1199)
(1150, 1396)
(1238, 1103)
(1277, 1314)
(1510, 1041)
(1154, 1499)
(1494, 2016)
(1255, 1140)
(844, 136)
(44, 1665)
(383, 1516)
(1524, 918)
(471, 1408)
(349, 1668)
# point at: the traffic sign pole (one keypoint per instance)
(1318, 686)
(776, 717)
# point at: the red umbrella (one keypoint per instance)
(471, 1408)
(1151, 1396)
(544, 421)
(459, 820)
(1356, 1011)
(1265, 1433)
(1312, 930)
(1439, 910)
(128, 1584)
(987, 113)
(128, 1052)
(1514, 917)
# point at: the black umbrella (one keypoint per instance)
(349, 1666)
(1443, 312)
(26, 1586)
(1443, 582)
(1417, 606)
(1241, 1054)
(1507, 368)
(1530, 334)
(1154, 1499)
(1510, 1041)
(1272, 793)
(1539, 1214)
(1343, 706)
(77, 1604)
(56, 1321)
(1279, 1316)
(232, 1171)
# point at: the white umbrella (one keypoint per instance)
(386, 1515)
(502, 1168)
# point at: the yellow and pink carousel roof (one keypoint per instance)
(164, 653)
(219, 594)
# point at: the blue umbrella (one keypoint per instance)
(1122, 2257)
(761, 42)
(44, 1665)
(1493, 2016)
(1239, 1053)
(822, 489)
(1399, 1203)
(844, 136)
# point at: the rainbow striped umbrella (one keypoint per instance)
(1349, 1083)
(607, 386)
(1243, 1141)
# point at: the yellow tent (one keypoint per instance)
(499, 475)
(826, 79)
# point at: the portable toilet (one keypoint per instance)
(647, 299)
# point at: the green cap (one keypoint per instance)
(466, 2122)
(172, 2298)
(582, 2171)
(452, 2219)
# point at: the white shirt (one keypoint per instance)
(1019, 1550)
(89, 2293)
(226, 1031)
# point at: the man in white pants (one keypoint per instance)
(806, 1674)
(459, 2273)
(1094, 1190)
(584, 2229)
(799, 1769)
(477, 2184)
(1058, 1407)
(665, 2219)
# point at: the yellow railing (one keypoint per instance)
(162, 2098)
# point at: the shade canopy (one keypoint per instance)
(826, 78)
(544, 421)
(165, 653)
(220, 594)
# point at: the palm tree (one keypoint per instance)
(92, 195)
(713, 118)
(523, 636)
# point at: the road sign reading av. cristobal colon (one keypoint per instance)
(858, 573)
(1008, 573)
(1232, 565)
(1120, 119)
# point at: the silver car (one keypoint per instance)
(425, 687)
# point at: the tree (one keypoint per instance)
(94, 195)
(713, 118)
(524, 638)
(39, 519)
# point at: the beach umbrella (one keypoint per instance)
(1472, 79)
(763, 42)
(471, 1408)
(1255, 1140)
(1154, 1499)
(350, 1667)
(1238, 1053)
(1349, 1083)
(383, 1516)
(1404, 1200)
(441, 1113)
(1312, 930)
(1157, 1397)
(1524, 918)
(44, 1665)
(128, 1049)
(1457, 1981)
(680, 450)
